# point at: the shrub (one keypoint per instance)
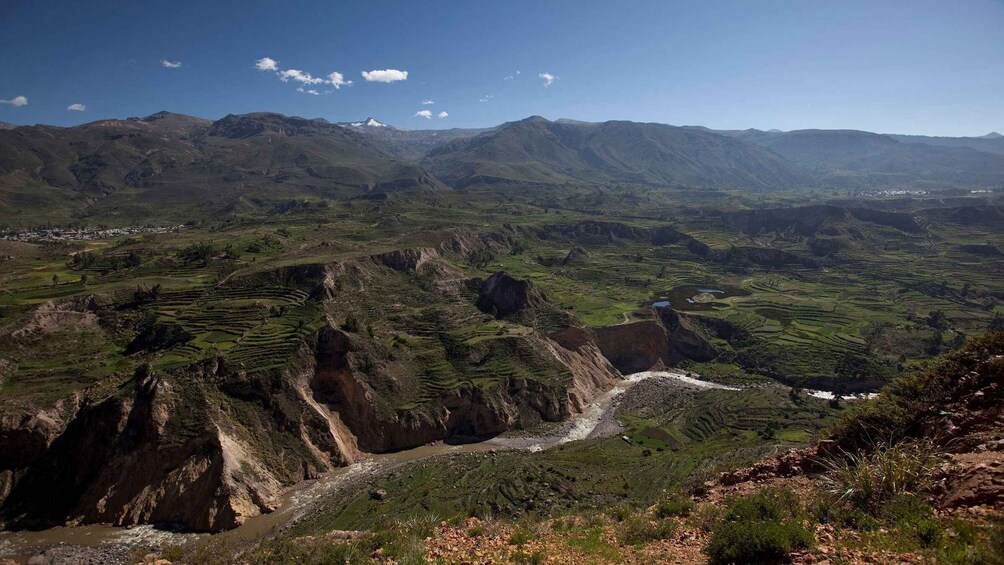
(351, 324)
(676, 505)
(520, 537)
(827, 509)
(909, 399)
(760, 528)
(620, 513)
(866, 480)
(705, 517)
(915, 515)
(535, 558)
(639, 529)
(200, 252)
(756, 541)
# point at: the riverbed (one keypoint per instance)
(597, 419)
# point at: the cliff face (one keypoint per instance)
(207, 445)
(502, 295)
(666, 340)
(463, 414)
(143, 457)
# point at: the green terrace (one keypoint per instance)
(253, 327)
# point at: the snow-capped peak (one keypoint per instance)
(367, 123)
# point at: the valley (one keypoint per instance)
(219, 336)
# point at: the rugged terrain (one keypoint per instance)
(196, 317)
(175, 168)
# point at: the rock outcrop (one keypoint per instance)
(207, 445)
(664, 341)
(502, 295)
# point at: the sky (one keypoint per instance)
(911, 66)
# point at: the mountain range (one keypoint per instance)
(245, 161)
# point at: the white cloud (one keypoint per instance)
(171, 64)
(548, 78)
(427, 114)
(427, 102)
(77, 107)
(442, 115)
(267, 64)
(16, 101)
(385, 75)
(512, 76)
(337, 80)
(299, 76)
(487, 98)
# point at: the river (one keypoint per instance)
(597, 419)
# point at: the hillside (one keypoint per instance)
(929, 492)
(171, 168)
(991, 143)
(859, 159)
(168, 165)
(537, 150)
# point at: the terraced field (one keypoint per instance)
(253, 327)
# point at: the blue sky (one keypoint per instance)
(917, 66)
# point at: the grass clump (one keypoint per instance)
(675, 505)
(638, 530)
(521, 537)
(866, 480)
(763, 527)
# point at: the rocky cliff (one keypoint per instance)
(665, 340)
(208, 444)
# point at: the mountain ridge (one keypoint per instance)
(185, 165)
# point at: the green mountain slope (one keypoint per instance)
(541, 151)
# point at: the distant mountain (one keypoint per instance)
(860, 159)
(405, 143)
(992, 142)
(365, 124)
(170, 165)
(7, 125)
(169, 160)
(537, 150)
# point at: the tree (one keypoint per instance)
(937, 320)
(55, 279)
(997, 323)
(351, 324)
(935, 343)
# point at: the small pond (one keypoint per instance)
(702, 297)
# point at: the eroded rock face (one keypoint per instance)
(77, 313)
(210, 445)
(503, 295)
(176, 449)
(462, 414)
(664, 341)
(592, 373)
